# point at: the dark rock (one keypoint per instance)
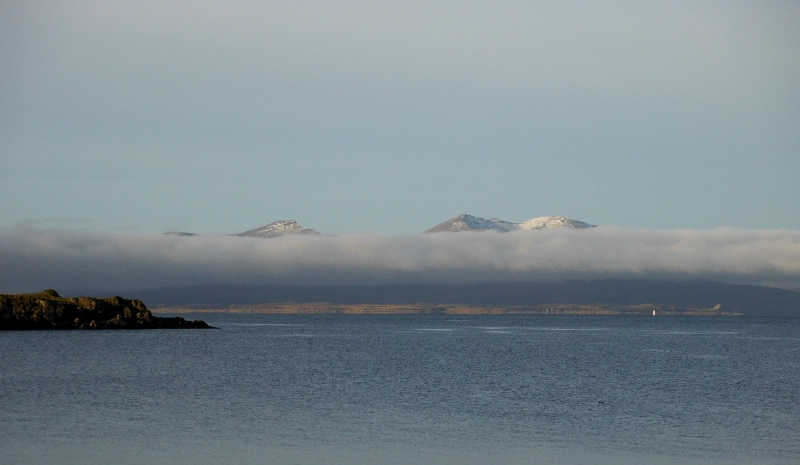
(48, 310)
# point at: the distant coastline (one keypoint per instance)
(590, 297)
(324, 308)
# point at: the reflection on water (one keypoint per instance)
(406, 390)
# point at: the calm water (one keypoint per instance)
(268, 389)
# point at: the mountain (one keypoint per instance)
(460, 223)
(278, 228)
(472, 223)
(475, 223)
(553, 222)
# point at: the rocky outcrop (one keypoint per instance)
(48, 310)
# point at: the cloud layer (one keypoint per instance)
(34, 258)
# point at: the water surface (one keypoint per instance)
(401, 389)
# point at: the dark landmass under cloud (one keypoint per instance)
(749, 300)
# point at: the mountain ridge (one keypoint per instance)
(466, 222)
(274, 229)
(463, 222)
(278, 228)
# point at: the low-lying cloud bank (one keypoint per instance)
(33, 258)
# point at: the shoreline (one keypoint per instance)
(325, 308)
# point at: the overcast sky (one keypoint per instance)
(390, 117)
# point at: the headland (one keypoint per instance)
(48, 310)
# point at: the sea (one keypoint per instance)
(407, 389)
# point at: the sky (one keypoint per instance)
(675, 126)
(390, 117)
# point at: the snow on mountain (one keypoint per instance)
(553, 222)
(475, 223)
(459, 223)
(278, 228)
(472, 223)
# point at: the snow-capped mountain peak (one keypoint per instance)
(472, 223)
(278, 228)
(553, 222)
(475, 223)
